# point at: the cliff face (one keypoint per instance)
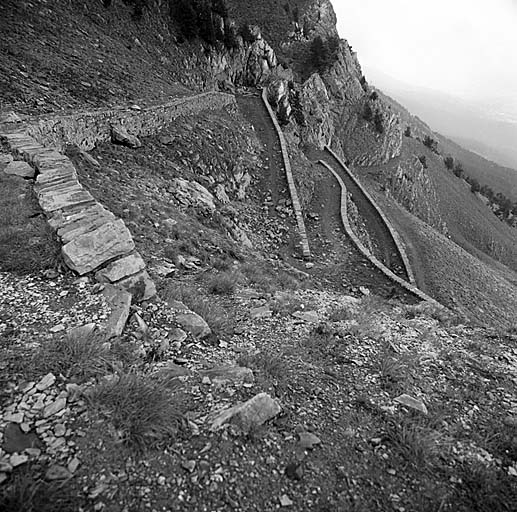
(333, 100)
(412, 187)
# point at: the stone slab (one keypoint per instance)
(76, 195)
(120, 304)
(20, 168)
(90, 250)
(119, 269)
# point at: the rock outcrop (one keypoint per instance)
(412, 187)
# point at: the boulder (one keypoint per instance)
(194, 324)
(119, 135)
(20, 168)
(247, 415)
(90, 250)
(192, 193)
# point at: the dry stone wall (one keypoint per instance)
(386, 271)
(93, 239)
(387, 223)
(304, 241)
(86, 129)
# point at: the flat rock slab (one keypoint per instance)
(121, 268)
(19, 168)
(51, 200)
(252, 413)
(412, 403)
(15, 440)
(120, 304)
(90, 250)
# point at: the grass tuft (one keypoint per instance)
(24, 492)
(27, 243)
(80, 356)
(214, 315)
(142, 409)
(223, 283)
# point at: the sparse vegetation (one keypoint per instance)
(378, 122)
(223, 283)
(27, 491)
(423, 161)
(213, 314)
(142, 410)
(430, 143)
(80, 356)
(323, 53)
(27, 243)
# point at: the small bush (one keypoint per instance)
(378, 122)
(223, 283)
(367, 112)
(449, 162)
(407, 131)
(430, 143)
(141, 409)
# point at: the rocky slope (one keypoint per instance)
(254, 381)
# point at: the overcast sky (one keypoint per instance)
(467, 48)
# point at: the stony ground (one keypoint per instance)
(317, 388)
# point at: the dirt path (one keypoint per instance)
(255, 112)
(384, 245)
(338, 263)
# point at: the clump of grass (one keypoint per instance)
(25, 492)
(27, 243)
(270, 364)
(417, 444)
(267, 279)
(223, 283)
(341, 314)
(428, 310)
(142, 409)
(393, 372)
(213, 314)
(482, 489)
(81, 356)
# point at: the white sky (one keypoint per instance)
(467, 48)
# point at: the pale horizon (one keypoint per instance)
(466, 49)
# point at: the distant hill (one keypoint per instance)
(489, 130)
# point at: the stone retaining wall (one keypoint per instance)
(93, 238)
(304, 241)
(386, 271)
(86, 129)
(394, 235)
